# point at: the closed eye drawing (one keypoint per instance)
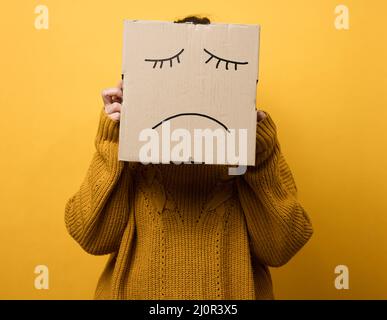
(161, 62)
(225, 61)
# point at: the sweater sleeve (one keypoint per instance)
(97, 214)
(277, 224)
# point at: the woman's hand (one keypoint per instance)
(112, 99)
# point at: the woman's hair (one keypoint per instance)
(194, 20)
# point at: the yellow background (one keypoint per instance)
(325, 89)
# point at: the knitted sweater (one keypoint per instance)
(187, 231)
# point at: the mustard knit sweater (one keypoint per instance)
(187, 231)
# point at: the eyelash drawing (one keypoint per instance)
(161, 61)
(224, 60)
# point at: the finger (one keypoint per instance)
(116, 99)
(115, 116)
(114, 107)
(109, 93)
(260, 115)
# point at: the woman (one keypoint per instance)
(186, 231)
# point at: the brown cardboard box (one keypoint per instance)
(192, 88)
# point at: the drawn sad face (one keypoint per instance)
(194, 76)
(169, 62)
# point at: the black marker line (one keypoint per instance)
(191, 114)
(221, 59)
(166, 59)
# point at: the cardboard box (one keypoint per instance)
(187, 78)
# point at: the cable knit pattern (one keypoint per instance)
(187, 231)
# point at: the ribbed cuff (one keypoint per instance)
(108, 129)
(265, 134)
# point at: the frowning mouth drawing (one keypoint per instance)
(191, 114)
